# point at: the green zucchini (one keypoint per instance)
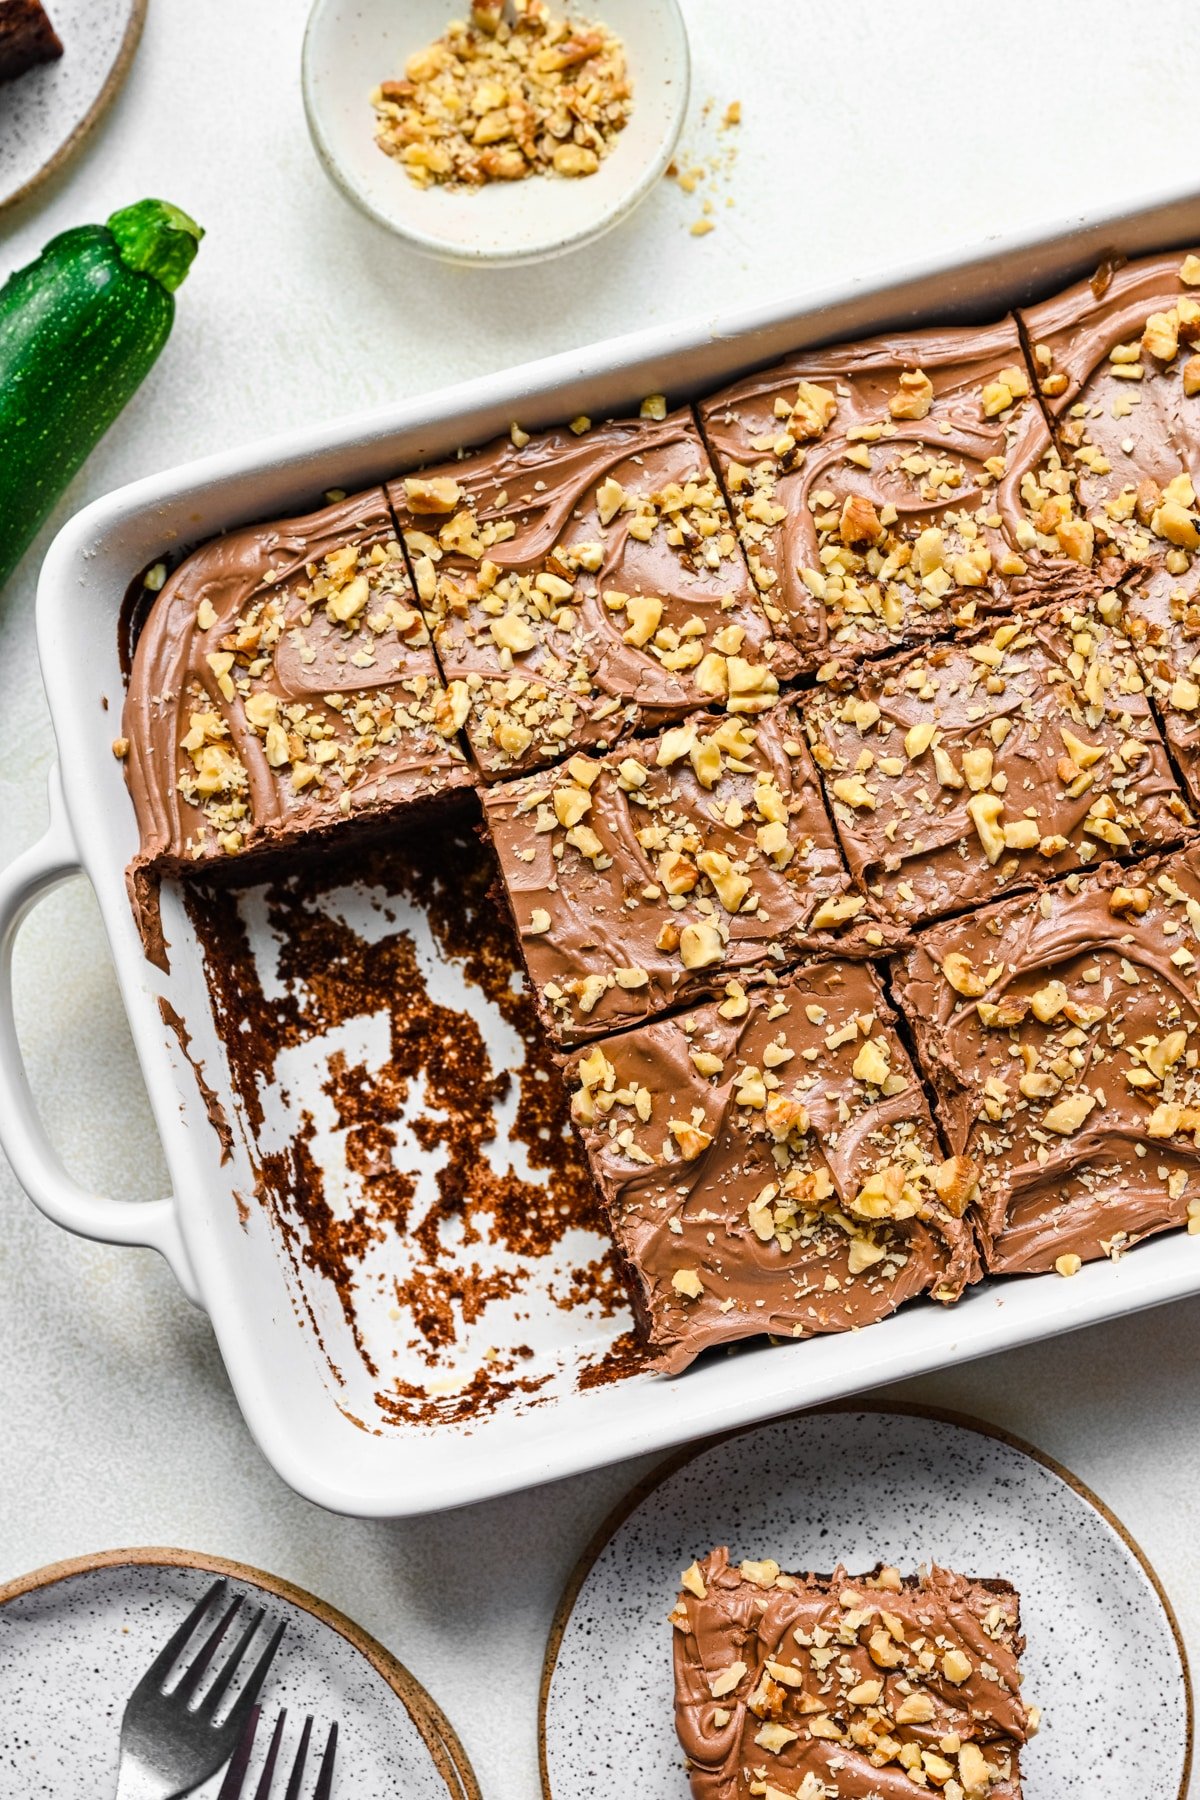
(80, 328)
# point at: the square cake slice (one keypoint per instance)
(27, 38)
(1117, 364)
(1061, 1035)
(768, 1164)
(1023, 751)
(876, 485)
(840, 1687)
(648, 878)
(283, 684)
(585, 585)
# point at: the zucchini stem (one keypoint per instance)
(157, 239)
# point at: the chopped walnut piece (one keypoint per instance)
(914, 396)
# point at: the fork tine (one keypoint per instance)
(324, 1787)
(293, 1786)
(163, 1663)
(257, 1676)
(239, 1762)
(191, 1678)
(219, 1688)
(263, 1790)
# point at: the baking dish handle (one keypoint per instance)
(153, 1224)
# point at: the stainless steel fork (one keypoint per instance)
(234, 1785)
(171, 1742)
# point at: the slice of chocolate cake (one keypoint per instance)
(768, 1164)
(283, 687)
(806, 1687)
(583, 585)
(649, 878)
(27, 38)
(1060, 1033)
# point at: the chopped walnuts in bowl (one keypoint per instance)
(492, 100)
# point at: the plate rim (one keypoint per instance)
(439, 1735)
(911, 1409)
(108, 92)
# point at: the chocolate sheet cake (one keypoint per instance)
(1118, 365)
(584, 584)
(870, 1687)
(648, 878)
(890, 652)
(1117, 370)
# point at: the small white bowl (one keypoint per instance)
(350, 46)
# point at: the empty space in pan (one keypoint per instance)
(396, 1116)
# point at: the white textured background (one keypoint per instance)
(873, 132)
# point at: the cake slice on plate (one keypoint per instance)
(27, 38)
(835, 1687)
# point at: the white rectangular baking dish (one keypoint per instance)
(282, 1382)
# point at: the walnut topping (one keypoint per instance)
(693, 1581)
(1070, 1113)
(437, 496)
(726, 1680)
(701, 945)
(812, 410)
(956, 1183)
(962, 976)
(491, 101)
(692, 1141)
(914, 396)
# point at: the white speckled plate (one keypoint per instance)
(1104, 1659)
(76, 1638)
(46, 113)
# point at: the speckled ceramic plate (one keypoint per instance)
(75, 1639)
(1104, 1660)
(46, 114)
